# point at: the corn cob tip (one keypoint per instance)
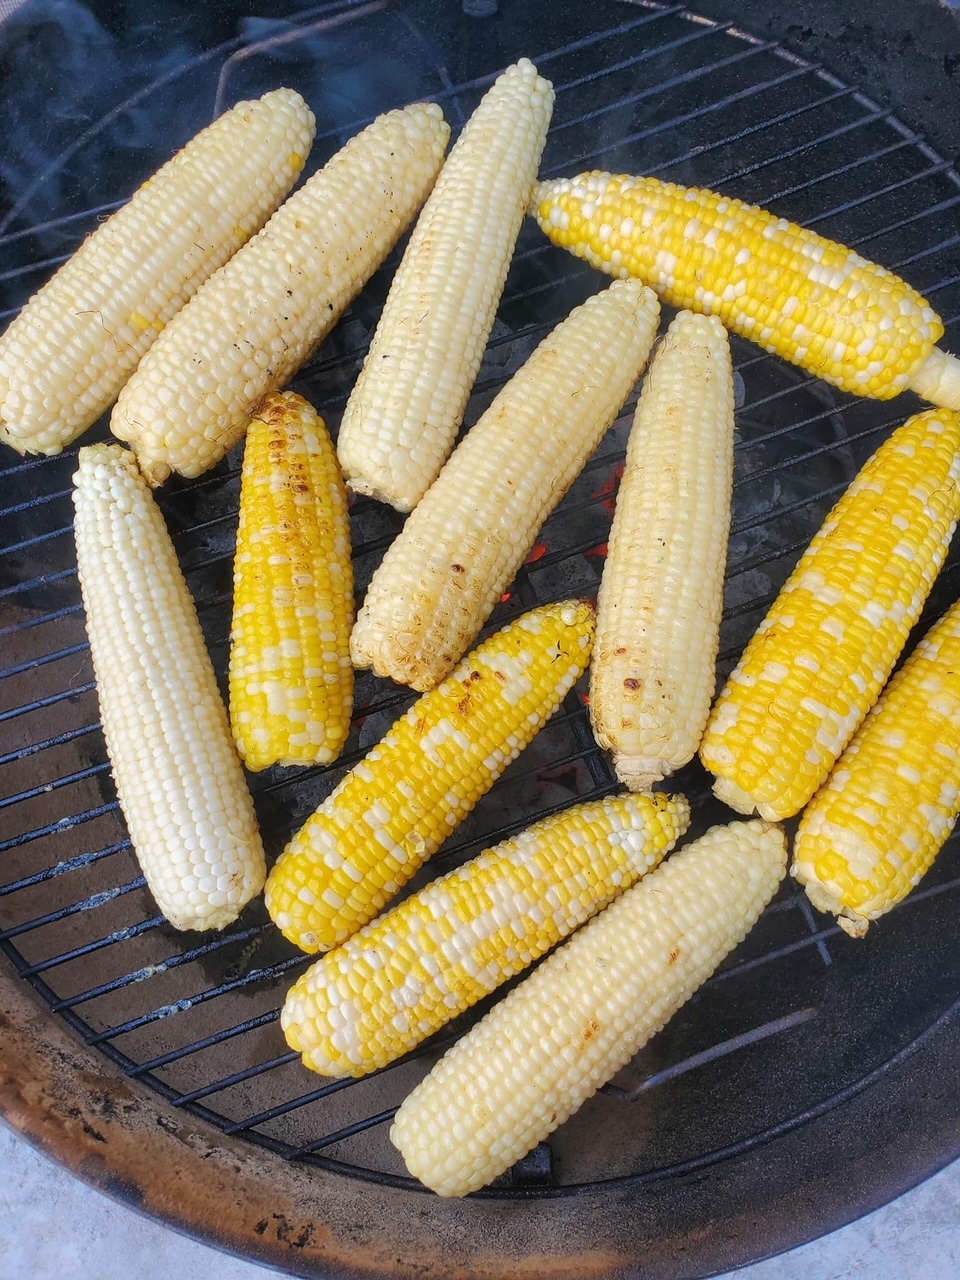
(736, 798)
(15, 442)
(938, 380)
(824, 899)
(639, 773)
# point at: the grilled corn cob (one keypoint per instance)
(291, 679)
(179, 780)
(407, 973)
(467, 538)
(570, 1026)
(403, 415)
(653, 669)
(819, 659)
(807, 299)
(396, 807)
(877, 824)
(255, 322)
(77, 341)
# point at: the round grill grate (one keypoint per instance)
(800, 1018)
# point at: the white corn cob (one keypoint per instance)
(661, 596)
(254, 323)
(178, 776)
(569, 1027)
(403, 415)
(407, 973)
(77, 341)
(466, 539)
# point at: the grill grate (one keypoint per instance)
(648, 87)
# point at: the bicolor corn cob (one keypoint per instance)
(819, 659)
(653, 670)
(178, 777)
(396, 807)
(410, 971)
(254, 323)
(812, 301)
(403, 415)
(76, 342)
(291, 679)
(583, 1014)
(465, 541)
(875, 827)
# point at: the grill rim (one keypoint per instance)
(94, 1121)
(119, 1137)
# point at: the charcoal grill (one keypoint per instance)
(811, 1079)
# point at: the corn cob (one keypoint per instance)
(403, 415)
(465, 541)
(410, 971)
(291, 679)
(394, 809)
(819, 659)
(571, 1025)
(807, 299)
(77, 341)
(178, 778)
(875, 827)
(658, 618)
(254, 323)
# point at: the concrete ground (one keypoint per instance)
(52, 1227)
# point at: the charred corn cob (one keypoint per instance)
(254, 323)
(76, 342)
(291, 679)
(807, 299)
(467, 538)
(875, 827)
(819, 659)
(407, 973)
(653, 669)
(178, 777)
(402, 418)
(395, 808)
(584, 1013)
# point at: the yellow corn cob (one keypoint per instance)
(570, 1026)
(812, 301)
(77, 341)
(403, 415)
(467, 538)
(291, 679)
(255, 322)
(875, 827)
(819, 659)
(178, 777)
(653, 670)
(395, 808)
(410, 971)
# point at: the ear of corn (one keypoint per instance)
(819, 659)
(807, 299)
(653, 670)
(254, 323)
(178, 777)
(291, 679)
(875, 827)
(403, 415)
(410, 971)
(393, 810)
(584, 1013)
(76, 342)
(467, 538)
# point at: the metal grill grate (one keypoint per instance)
(768, 1043)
